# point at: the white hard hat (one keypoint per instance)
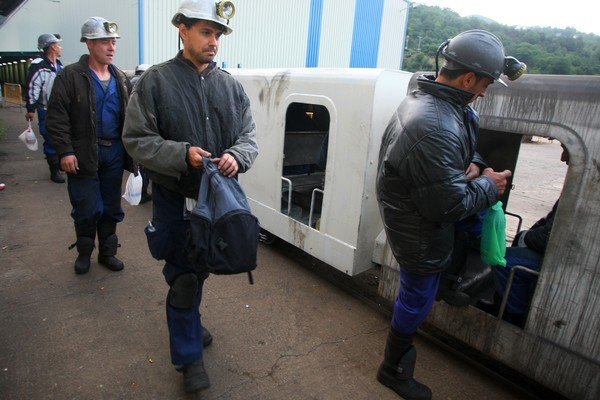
(99, 28)
(46, 40)
(141, 68)
(220, 12)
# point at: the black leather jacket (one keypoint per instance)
(422, 187)
(536, 238)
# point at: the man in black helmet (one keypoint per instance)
(429, 177)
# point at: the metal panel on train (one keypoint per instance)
(319, 132)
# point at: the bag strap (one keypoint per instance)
(204, 191)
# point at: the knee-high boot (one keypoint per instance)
(107, 245)
(85, 246)
(396, 371)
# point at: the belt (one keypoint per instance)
(106, 142)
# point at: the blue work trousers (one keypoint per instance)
(48, 149)
(99, 198)
(170, 243)
(415, 299)
(523, 283)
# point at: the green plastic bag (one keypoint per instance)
(493, 236)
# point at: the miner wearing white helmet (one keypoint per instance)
(85, 120)
(181, 111)
(40, 79)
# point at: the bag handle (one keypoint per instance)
(210, 170)
(203, 192)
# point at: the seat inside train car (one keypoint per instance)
(304, 162)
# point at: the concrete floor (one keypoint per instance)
(291, 335)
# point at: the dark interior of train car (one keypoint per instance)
(502, 151)
(304, 163)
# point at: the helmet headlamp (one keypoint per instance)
(225, 10)
(111, 27)
(513, 68)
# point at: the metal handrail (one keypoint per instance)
(518, 217)
(312, 204)
(509, 284)
(289, 182)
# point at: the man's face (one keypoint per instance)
(102, 50)
(56, 48)
(479, 86)
(201, 41)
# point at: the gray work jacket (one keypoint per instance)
(172, 107)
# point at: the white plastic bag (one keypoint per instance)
(28, 137)
(133, 189)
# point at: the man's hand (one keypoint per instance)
(499, 178)
(473, 171)
(29, 116)
(227, 164)
(69, 164)
(195, 155)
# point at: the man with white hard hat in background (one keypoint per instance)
(85, 121)
(181, 111)
(139, 70)
(40, 79)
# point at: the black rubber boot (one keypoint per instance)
(85, 246)
(107, 246)
(54, 165)
(447, 293)
(396, 371)
(195, 377)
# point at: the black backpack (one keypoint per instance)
(224, 232)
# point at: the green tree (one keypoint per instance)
(544, 50)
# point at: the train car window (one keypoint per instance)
(305, 162)
(539, 166)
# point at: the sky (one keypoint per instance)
(579, 14)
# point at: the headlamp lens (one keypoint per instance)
(226, 9)
(513, 68)
(111, 27)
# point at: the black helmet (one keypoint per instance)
(482, 53)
